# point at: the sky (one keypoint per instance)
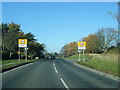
(60, 0)
(58, 23)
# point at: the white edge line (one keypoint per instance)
(65, 85)
(15, 68)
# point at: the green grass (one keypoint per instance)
(77, 57)
(113, 50)
(106, 62)
(12, 61)
(15, 62)
(106, 66)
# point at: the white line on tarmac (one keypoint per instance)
(54, 64)
(63, 82)
(55, 69)
(65, 85)
(16, 68)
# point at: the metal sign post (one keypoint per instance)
(83, 56)
(81, 46)
(79, 54)
(19, 54)
(26, 54)
(22, 43)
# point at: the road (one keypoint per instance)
(54, 74)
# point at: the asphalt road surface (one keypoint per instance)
(54, 74)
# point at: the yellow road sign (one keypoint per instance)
(81, 44)
(22, 42)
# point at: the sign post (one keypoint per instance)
(19, 54)
(79, 54)
(81, 46)
(22, 43)
(26, 54)
(83, 56)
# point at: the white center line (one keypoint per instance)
(54, 64)
(55, 69)
(63, 82)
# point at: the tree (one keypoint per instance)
(69, 49)
(36, 49)
(92, 43)
(10, 35)
(107, 38)
(0, 39)
(47, 55)
(11, 32)
(56, 54)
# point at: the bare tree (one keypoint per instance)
(107, 38)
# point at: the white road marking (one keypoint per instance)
(63, 82)
(65, 85)
(55, 69)
(54, 64)
(16, 68)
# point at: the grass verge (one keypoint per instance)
(81, 57)
(9, 64)
(103, 64)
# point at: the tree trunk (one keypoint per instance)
(10, 55)
(31, 57)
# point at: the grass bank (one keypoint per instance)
(106, 62)
(103, 64)
(81, 57)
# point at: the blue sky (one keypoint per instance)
(56, 23)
